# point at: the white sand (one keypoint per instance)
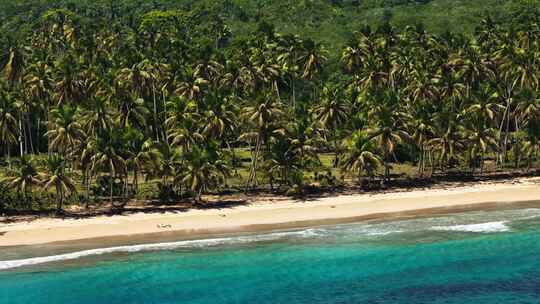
(268, 212)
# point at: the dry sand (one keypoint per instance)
(271, 212)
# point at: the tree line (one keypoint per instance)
(90, 110)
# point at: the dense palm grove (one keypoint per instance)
(96, 112)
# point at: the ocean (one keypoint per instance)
(474, 257)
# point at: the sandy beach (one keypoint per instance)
(267, 213)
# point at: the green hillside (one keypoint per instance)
(328, 21)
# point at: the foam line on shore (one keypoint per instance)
(10, 264)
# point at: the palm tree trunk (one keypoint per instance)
(155, 112)
(111, 184)
(87, 181)
(386, 167)
(336, 156)
(482, 164)
(21, 136)
(293, 92)
(503, 148)
(60, 199)
(233, 153)
(163, 128)
(252, 179)
(38, 135)
(421, 161)
(29, 134)
(136, 181)
(8, 156)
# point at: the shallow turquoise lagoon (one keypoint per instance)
(474, 257)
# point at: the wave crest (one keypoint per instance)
(489, 227)
(4, 265)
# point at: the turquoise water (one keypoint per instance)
(475, 257)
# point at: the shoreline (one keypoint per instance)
(271, 213)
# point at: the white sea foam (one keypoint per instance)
(489, 227)
(4, 265)
(382, 233)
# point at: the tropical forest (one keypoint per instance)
(109, 103)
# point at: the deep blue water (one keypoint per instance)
(475, 257)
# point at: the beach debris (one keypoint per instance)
(162, 226)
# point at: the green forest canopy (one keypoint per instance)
(328, 21)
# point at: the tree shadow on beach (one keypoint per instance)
(152, 207)
(402, 183)
(232, 199)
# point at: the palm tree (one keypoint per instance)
(182, 123)
(332, 113)
(105, 154)
(145, 156)
(481, 140)
(218, 119)
(313, 58)
(168, 160)
(132, 112)
(447, 141)
(191, 84)
(23, 178)
(420, 129)
(386, 126)
(290, 48)
(484, 105)
(67, 132)
(8, 120)
(263, 117)
(39, 86)
(205, 169)
(68, 84)
(143, 79)
(360, 155)
(97, 117)
(531, 148)
(13, 65)
(57, 177)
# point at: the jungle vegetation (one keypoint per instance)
(107, 101)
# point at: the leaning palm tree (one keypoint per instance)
(57, 177)
(361, 155)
